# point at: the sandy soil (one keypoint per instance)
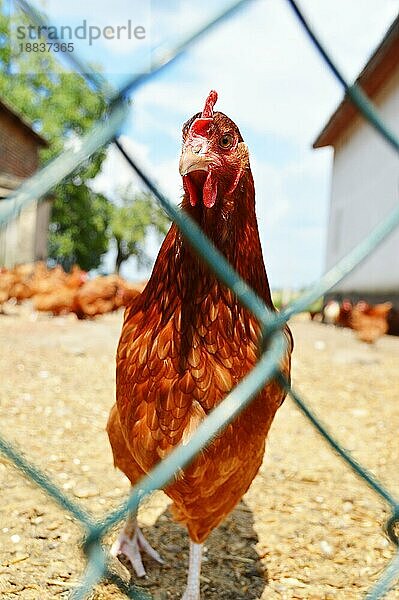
(307, 528)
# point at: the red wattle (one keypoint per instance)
(210, 190)
(190, 189)
(235, 183)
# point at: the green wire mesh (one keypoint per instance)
(97, 567)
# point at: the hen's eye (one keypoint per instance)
(226, 141)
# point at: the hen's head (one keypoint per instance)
(214, 156)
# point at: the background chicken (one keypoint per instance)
(57, 292)
(331, 312)
(344, 318)
(186, 342)
(370, 322)
(54, 290)
(102, 295)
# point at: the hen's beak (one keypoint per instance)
(197, 163)
(193, 159)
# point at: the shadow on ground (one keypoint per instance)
(231, 569)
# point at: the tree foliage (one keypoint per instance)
(131, 223)
(79, 226)
(61, 106)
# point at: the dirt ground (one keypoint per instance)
(307, 528)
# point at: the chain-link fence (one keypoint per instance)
(267, 366)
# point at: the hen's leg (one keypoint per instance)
(194, 570)
(131, 542)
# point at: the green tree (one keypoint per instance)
(131, 222)
(79, 226)
(61, 106)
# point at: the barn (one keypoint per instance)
(365, 178)
(24, 239)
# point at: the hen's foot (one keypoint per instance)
(130, 544)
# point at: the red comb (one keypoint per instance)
(210, 102)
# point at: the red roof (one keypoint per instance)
(377, 72)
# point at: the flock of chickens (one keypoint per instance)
(369, 321)
(58, 292)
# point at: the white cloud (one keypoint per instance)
(268, 74)
(291, 202)
(275, 86)
(168, 178)
(116, 174)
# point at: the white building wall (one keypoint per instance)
(24, 239)
(20, 237)
(365, 188)
(41, 234)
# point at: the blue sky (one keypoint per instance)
(270, 82)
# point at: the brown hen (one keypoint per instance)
(186, 342)
(370, 322)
